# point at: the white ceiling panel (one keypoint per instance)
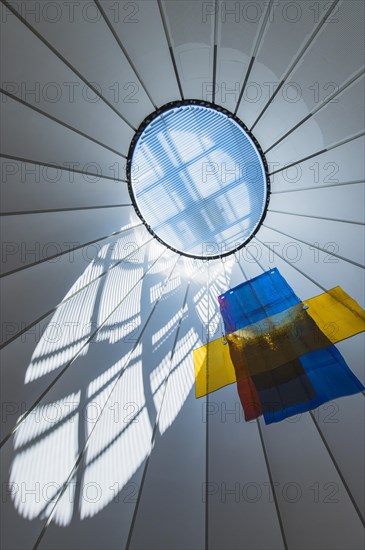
(26, 135)
(92, 50)
(324, 68)
(140, 29)
(37, 76)
(334, 123)
(192, 37)
(238, 25)
(289, 28)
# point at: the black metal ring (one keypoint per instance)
(140, 130)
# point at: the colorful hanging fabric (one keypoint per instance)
(279, 349)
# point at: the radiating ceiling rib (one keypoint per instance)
(297, 58)
(285, 167)
(291, 264)
(338, 120)
(107, 21)
(324, 242)
(256, 260)
(332, 457)
(314, 111)
(68, 364)
(264, 450)
(60, 167)
(207, 398)
(39, 319)
(255, 49)
(56, 90)
(154, 432)
(22, 212)
(64, 124)
(125, 365)
(338, 469)
(317, 247)
(355, 182)
(23, 124)
(54, 256)
(327, 65)
(314, 217)
(307, 117)
(328, 148)
(168, 39)
(215, 54)
(268, 467)
(66, 62)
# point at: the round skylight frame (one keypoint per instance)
(196, 102)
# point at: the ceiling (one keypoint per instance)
(104, 444)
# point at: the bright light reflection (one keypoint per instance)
(45, 417)
(172, 284)
(157, 337)
(180, 381)
(42, 471)
(45, 450)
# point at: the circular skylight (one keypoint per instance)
(198, 179)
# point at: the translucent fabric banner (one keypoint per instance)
(279, 350)
(328, 376)
(274, 341)
(322, 376)
(336, 314)
(256, 299)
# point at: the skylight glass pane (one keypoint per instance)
(198, 180)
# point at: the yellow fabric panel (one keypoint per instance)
(318, 323)
(336, 314)
(213, 358)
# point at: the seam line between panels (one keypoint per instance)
(64, 301)
(207, 331)
(329, 148)
(69, 363)
(59, 167)
(49, 258)
(318, 247)
(55, 210)
(67, 63)
(268, 468)
(61, 123)
(125, 53)
(153, 438)
(171, 50)
(324, 441)
(215, 53)
(82, 452)
(297, 58)
(315, 217)
(254, 53)
(339, 184)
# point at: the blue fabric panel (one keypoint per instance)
(256, 299)
(329, 376)
(283, 387)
